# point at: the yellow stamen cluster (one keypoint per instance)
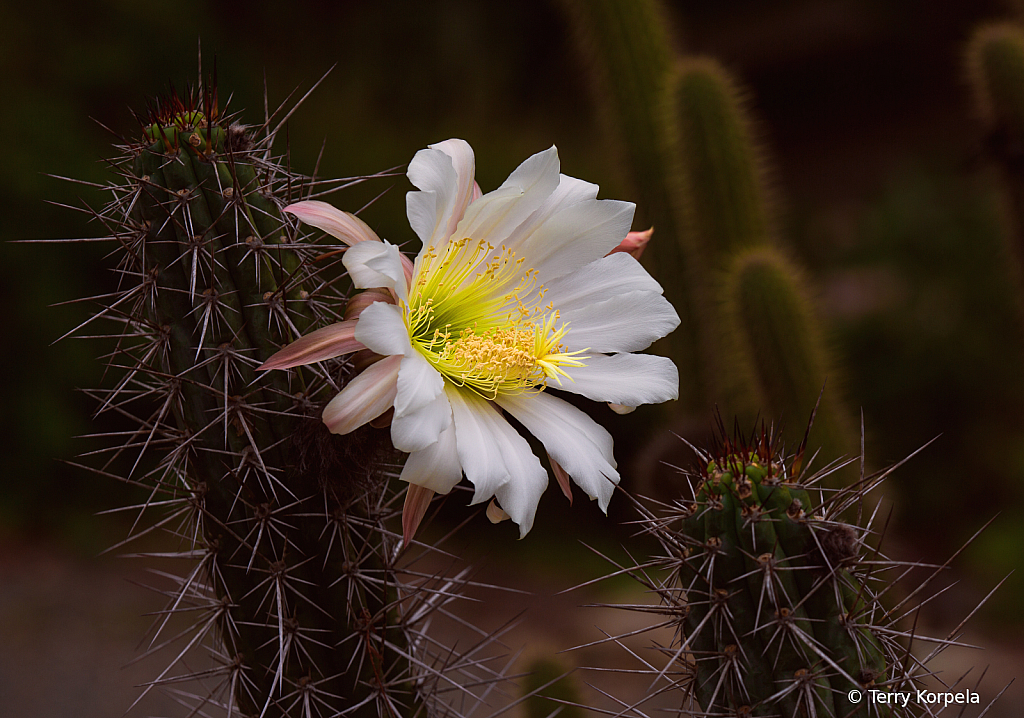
(476, 315)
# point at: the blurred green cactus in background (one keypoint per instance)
(698, 173)
(778, 360)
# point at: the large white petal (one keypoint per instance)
(615, 274)
(496, 458)
(367, 396)
(627, 379)
(623, 323)
(422, 210)
(475, 225)
(488, 213)
(376, 264)
(477, 435)
(432, 171)
(575, 235)
(421, 411)
(465, 170)
(380, 328)
(581, 446)
(436, 467)
(497, 214)
(568, 192)
(418, 428)
(519, 498)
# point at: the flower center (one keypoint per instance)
(477, 316)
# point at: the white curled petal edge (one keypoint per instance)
(421, 409)
(417, 429)
(381, 329)
(429, 209)
(437, 466)
(376, 264)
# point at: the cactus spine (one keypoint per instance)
(296, 582)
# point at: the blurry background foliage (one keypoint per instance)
(861, 106)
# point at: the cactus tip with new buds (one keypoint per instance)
(777, 593)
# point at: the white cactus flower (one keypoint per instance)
(514, 296)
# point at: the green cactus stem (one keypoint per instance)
(725, 194)
(774, 592)
(779, 349)
(295, 586)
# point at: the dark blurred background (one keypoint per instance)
(864, 114)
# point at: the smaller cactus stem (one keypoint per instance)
(779, 348)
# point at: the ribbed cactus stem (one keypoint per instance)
(296, 589)
(627, 46)
(785, 611)
(780, 348)
(726, 200)
(774, 590)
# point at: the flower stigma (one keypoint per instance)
(478, 317)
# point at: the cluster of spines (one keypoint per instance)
(294, 583)
(768, 589)
(777, 604)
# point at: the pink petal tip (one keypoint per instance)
(417, 501)
(634, 243)
(325, 343)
